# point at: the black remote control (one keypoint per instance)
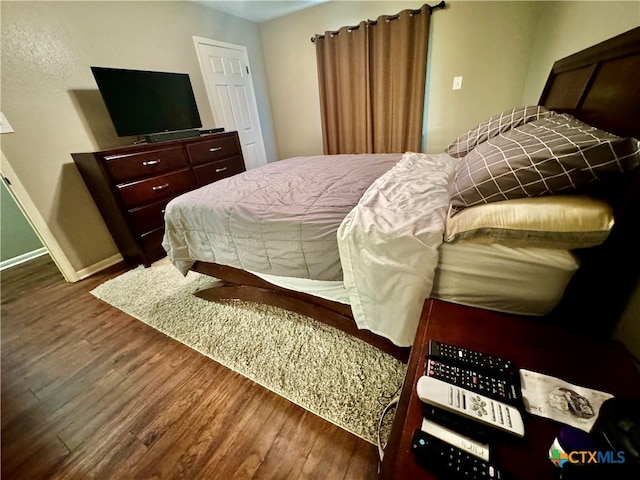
(471, 358)
(451, 462)
(459, 423)
(505, 388)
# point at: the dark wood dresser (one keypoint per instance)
(132, 185)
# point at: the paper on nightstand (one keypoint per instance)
(553, 398)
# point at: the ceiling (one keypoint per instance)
(260, 10)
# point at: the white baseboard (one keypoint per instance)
(80, 274)
(96, 267)
(25, 257)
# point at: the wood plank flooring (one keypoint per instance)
(89, 392)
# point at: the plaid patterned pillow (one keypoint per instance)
(497, 124)
(551, 155)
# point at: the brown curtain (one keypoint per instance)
(372, 79)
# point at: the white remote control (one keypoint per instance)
(471, 405)
(480, 450)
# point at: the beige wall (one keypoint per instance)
(503, 50)
(488, 43)
(568, 27)
(50, 97)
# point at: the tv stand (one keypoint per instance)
(167, 136)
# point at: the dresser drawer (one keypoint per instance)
(144, 164)
(156, 188)
(214, 171)
(215, 149)
(149, 217)
(131, 185)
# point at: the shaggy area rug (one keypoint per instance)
(340, 378)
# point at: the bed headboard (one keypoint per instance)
(601, 86)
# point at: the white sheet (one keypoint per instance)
(524, 281)
(389, 244)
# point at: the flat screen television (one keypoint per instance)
(147, 103)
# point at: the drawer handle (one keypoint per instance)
(215, 149)
(218, 170)
(157, 188)
(151, 163)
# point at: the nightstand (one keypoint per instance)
(602, 365)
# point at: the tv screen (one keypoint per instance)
(143, 102)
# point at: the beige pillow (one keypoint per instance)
(555, 221)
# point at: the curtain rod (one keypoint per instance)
(439, 6)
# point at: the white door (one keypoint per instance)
(227, 76)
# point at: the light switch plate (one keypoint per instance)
(4, 124)
(457, 83)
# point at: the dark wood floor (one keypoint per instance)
(89, 392)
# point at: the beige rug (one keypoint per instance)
(325, 371)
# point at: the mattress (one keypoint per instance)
(525, 281)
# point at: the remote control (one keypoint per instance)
(504, 389)
(450, 462)
(471, 358)
(458, 423)
(466, 444)
(471, 405)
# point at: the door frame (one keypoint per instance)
(254, 104)
(39, 225)
(41, 228)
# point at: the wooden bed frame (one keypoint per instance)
(598, 85)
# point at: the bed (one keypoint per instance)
(382, 232)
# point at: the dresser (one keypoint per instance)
(132, 185)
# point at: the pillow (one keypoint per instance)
(550, 155)
(555, 221)
(497, 124)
